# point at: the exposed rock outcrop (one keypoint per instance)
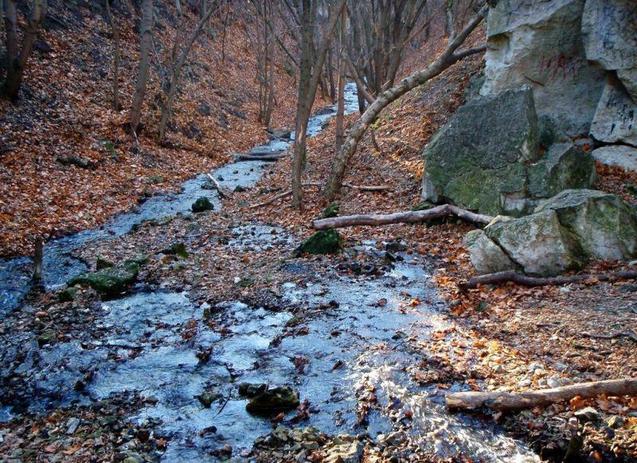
(488, 157)
(562, 234)
(539, 43)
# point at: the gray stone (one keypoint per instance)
(478, 157)
(617, 155)
(615, 119)
(587, 414)
(486, 256)
(609, 33)
(538, 43)
(605, 226)
(537, 243)
(564, 166)
(345, 449)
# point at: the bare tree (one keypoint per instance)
(146, 40)
(179, 60)
(16, 58)
(116, 54)
(340, 91)
(265, 60)
(355, 134)
(311, 68)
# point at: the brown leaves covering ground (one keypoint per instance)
(65, 110)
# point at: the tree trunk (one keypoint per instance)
(144, 64)
(340, 95)
(116, 55)
(505, 401)
(526, 280)
(17, 61)
(355, 134)
(308, 84)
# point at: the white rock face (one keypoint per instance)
(617, 155)
(615, 119)
(486, 256)
(609, 33)
(539, 43)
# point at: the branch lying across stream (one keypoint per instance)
(526, 280)
(444, 210)
(518, 400)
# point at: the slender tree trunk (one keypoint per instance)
(178, 65)
(356, 132)
(340, 95)
(144, 64)
(116, 55)
(308, 84)
(17, 61)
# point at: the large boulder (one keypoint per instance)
(605, 226)
(537, 243)
(539, 43)
(616, 115)
(476, 158)
(110, 282)
(609, 33)
(562, 234)
(488, 157)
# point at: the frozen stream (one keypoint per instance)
(357, 333)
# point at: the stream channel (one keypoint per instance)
(350, 344)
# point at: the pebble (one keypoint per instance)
(587, 414)
(72, 425)
(524, 383)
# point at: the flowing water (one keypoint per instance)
(357, 333)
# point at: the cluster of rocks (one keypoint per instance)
(559, 93)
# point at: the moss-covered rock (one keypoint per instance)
(101, 263)
(604, 224)
(321, 242)
(177, 249)
(110, 282)
(273, 401)
(330, 211)
(67, 294)
(201, 205)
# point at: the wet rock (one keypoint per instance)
(321, 242)
(615, 422)
(587, 414)
(486, 256)
(617, 155)
(47, 337)
(605, 226)
(280, 134)
(201, 205)
(101, 263)
(72, 425)
(609, 33)
(252, 390)
(206, 398)
(111, 281)
(539, 43)
(478, 157)
(615, 119)
(273, 401)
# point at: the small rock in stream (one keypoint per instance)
(273, 401)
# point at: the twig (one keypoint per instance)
(218, 186)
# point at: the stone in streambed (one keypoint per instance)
(201, 205)
(273, 401)
(110, 281)
(321, 242)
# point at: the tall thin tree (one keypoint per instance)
(146, 38)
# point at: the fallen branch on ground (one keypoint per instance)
(525, 280)
(401, 217)
(623, 334)
(347, 185)
(218, 187)
(518, 400)
(261, 157)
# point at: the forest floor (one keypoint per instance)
(504, 338)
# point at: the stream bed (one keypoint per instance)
(357, 333)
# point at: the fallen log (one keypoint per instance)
(265, 157)
(504, 401)
(526, 280)
(218, 187)
(444, 210)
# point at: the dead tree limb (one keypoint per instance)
(504, 401)
(260, 157)
(402, 217)
(218, 187)
(526, 280)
